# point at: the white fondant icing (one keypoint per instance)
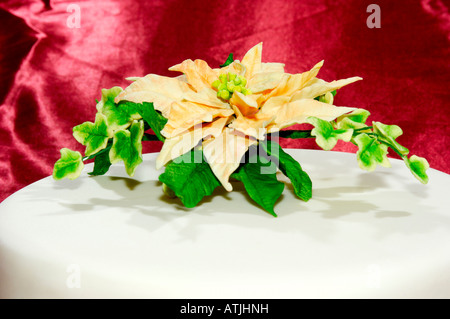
(362, 235)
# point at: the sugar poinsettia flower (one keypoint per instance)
(227, 110)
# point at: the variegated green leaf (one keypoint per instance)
(153, 118)
(326, 135)
(69, 165)
(93, 135)
(388, 134)
(418, 166)
(127, 147)
(118, 116)
(354, 120)
(371, 152)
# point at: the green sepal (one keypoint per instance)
(326, 135)
(418, 166)
(291, 169)
(190, 177)
(101, 164)
(118, 116)
(93, 135)
(262, 186)
(388, 134)
(228, 61)
(152, 117)
(127, 147)
(69, 165)
(354, 120)
(371, 152)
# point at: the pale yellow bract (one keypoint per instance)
(227, 128)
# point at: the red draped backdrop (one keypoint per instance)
(51, 71)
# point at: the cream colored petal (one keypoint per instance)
(252, 61)
(160, 90)
(252, 126)
(291, 83)
(235, 67)
(270, 67)
(246, 103)
(320, 87)
(298, 111)
(264, 81)
(198, 73)
(224, 154)
(176, 146)
(273, 104)
(185, 115)
(206, 96)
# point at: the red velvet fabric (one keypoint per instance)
(51, 74)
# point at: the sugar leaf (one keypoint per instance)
(353, 120)
(93, 135)
(69, 165)
(228, 61)
(101, 164)
(262, 187)
(388, 133)
(418, 166)
(291, 168)
(118, 116)
(326, 135)
(127, 147)
(371, 152)
(152, 117)
(190, 178)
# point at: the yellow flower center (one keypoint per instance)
(229, 83)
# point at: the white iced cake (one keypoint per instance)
(363, 235)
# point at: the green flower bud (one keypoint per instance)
(237, 89)
(224, 94)
(223, 78)
(216, 84)
(243, 80)
(246, 91)
(231, 76)
(237, 81)
(230, 86)
(222, 86)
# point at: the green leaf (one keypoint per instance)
(69, 165)
(370, 152)
(291, 168)
(101, 164)
(354, 120)
(326, 135)
(93, 135)
(418, 166)
(190, 178)
(263, 187)
(118, 116)
(127, 147)
(388, 134)
(152, 117)
(228, 61)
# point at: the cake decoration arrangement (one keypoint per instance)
(223, 124)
